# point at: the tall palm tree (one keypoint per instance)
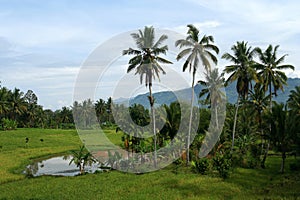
(270, 70)
(213, 84)
(196, 50)
(146, 61)
(242, 71)
(271, 74)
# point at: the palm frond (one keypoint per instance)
(160, 41)
(162, 60)
(183, 43)
(183, 53)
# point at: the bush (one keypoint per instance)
(246, 159)
(201, 166)
(8, 124)
(222, 164)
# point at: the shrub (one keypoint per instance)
(201, 166)
(222, 164)
(67, 126)
(8, 124)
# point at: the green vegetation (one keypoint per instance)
(163, 184)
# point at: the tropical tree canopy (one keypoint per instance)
(197, 50)
(146, 60)
(242, 70)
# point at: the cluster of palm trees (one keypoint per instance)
(258, 76)
(19, 109)
(87, 114)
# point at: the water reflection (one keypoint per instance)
(58, 166)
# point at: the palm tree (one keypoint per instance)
(196, 50)
(258, 101)
(17, 103)
(271, 75)
(146, 61)
(172, 120)
(242, 71)
(294, 100)
(100, 110)
(270, 70)
(84, 113)
(81, 158)
(284, 125)
(213, 84)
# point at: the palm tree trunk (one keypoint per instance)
(151, 100)
(190, 125)
(270, 129)
(235, 122)
(216, 116)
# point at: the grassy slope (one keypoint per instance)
(163, 184)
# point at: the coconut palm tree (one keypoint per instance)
(146, 61)
(17, 103)
(213, 84)
(271, 74)
(270, 70)
(196, 50)
(241, 71)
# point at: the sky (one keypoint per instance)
(45, 44)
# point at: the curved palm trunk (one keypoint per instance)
(151, 100)
(235, 122)
(190, 125)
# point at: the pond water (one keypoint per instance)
(58, 166)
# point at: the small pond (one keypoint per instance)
(58, 166)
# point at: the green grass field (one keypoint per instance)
(162, 184)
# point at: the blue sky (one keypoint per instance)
(44, 43)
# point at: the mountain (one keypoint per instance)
(167, 97)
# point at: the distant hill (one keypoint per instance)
(167, 97)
